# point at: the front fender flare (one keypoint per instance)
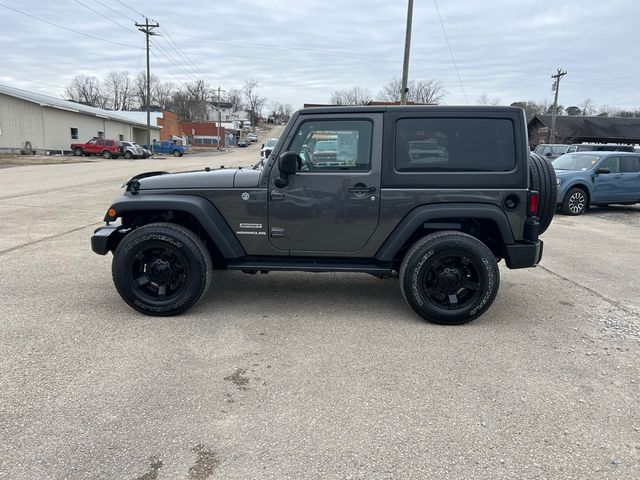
(417, 217)
(200, 208)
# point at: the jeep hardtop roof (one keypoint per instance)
(409, 108)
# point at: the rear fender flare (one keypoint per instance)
(417, 217)
(200, 208)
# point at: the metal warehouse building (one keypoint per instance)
(36, 122)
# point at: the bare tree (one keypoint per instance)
(421, 91)
(162, 94)
(254, 101)
(234, 97)
(87, 90)
(484, 99)
(119, 90)
(531, 107)
(280, 112)
(140, 88)
(190, 101)
(587, 107)
(351, 96)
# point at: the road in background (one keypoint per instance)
(295, 375)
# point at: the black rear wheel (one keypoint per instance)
(161, 269)
(78, 152)
(177, 153)
(449, 277)
(106, 154)
(128, 155)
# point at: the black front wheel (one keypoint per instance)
(161, 269)
(78, 152)
(177, 153)
(449, 277)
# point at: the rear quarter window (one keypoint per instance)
(455, 145)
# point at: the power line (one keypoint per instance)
(131, 8)
(169, 57)
(455, 65)
(105, 17)
(88, 35)
(177, 48)
(114, 10)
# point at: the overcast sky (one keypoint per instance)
(302, 50)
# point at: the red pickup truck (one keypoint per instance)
(98, 146)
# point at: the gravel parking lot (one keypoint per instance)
(294, 375)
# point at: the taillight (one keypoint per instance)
(533, 203)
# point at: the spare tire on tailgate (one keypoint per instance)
(542, 178)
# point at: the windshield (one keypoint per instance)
(271, 143)
(576, 161)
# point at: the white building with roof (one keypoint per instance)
(32, 121)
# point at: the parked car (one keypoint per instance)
(98, 146)
(243, 142)
(551, 150)
(599, 147)
(596, 178)
(131, 150)
(168, 147)
(267, 148)
(252, 137)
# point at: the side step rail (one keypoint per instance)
(309, 266)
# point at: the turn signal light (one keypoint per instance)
(533, 203)
(112, 213)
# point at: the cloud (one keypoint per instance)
(302, 50)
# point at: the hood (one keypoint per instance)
(220, 178)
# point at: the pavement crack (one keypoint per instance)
(44, 239)
(611, 301)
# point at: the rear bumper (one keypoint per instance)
(523, 255)
(105, 239)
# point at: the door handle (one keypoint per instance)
(362, 189)
(275, 195)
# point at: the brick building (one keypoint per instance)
(204, 134)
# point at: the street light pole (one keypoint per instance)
(407, 47)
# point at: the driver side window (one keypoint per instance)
(612, 163)
(327, 145)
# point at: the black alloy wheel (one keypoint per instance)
(449, 277)
(161, 269)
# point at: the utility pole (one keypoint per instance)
(556, 86)
(219, 121)
(407, 46)
(147, 29)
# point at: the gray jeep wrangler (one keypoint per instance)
(434, 196)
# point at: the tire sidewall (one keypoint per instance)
(419, 263)
(122, 263)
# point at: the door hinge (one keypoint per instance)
(277, 232)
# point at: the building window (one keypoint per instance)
(121, 137)
(100, 134)
(74, 133)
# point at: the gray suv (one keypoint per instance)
(433, 196)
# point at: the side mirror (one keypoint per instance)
(288, 165)
(548, 154)
(603, 171)
(262, 146)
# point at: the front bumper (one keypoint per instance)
(106, 239)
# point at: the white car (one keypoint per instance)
(267, 148)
